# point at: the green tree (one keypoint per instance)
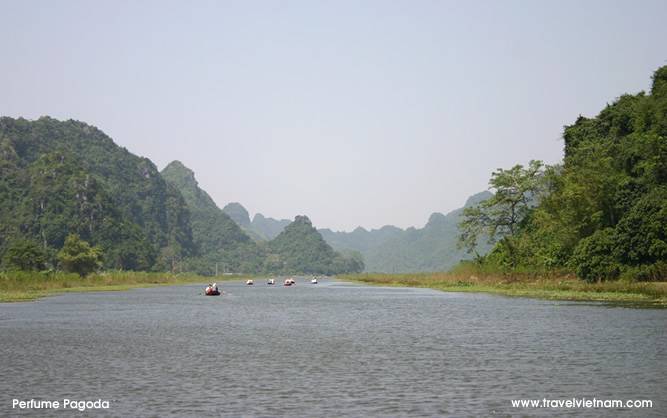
(593, 258)
(79, 257)
(499, 217)
(25, 255)
(604, 214)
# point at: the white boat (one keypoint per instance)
(271, 281)
(314, 280)
(249, 282)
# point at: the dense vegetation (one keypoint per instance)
(71, 199)
(468, 277)
(217, 237)
(58, 178)
(601, 214)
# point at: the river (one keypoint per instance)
(332, 349)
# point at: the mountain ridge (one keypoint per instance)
(62, 177)
(434, 247)
(221, 241)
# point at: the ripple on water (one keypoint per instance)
(327, 350)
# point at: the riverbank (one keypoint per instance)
(639, 294)
(25, 286)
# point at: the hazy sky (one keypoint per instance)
(353, 113)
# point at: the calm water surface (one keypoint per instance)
(331, 349)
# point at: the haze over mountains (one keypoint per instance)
(387, 249)
(60, 178)
(391, 249)
(224, 237)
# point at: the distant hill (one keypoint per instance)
(61, 177)
(299, 247)
(360, 239)
(218, 238)
(387, 249)
(391, 249)
(268, 228)
(240, 215)
(260, 228)
(431, 248)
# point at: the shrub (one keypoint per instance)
(646, 272)
(77, 256)
(25, 255)
(593, 257)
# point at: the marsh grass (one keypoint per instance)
(555, 286)
(24, 286)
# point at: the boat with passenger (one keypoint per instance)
(249, 282)
(271, 282)
(212, 290)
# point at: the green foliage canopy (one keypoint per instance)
(499, 217)
(25, 255)
(77, 256)
(603, 212)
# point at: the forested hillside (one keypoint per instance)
(58, 178)
(603, 212)
(268, 228)
(360, 239)
(393, 250)
(218, 238)
(431, 248)
(387, 249)
(260, 228)
(301, 248)
(240, 215)
(68, 180)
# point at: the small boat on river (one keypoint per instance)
(271, 282)
(249, 282)
(314, 280)
(212, 291)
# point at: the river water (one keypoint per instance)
(331, 349)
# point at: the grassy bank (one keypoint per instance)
(23, 286)
(555, 287)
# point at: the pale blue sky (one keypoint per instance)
(351, 112)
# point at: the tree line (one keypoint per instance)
(601, 214)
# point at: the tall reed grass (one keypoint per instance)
(548, 285)
(21, 285)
